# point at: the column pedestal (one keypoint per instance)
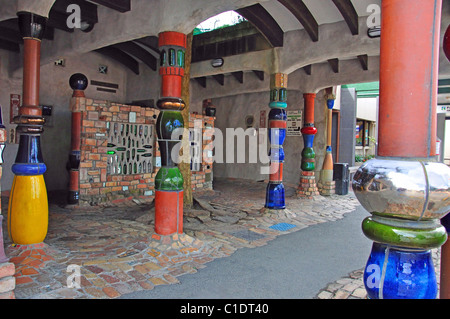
(307, 187)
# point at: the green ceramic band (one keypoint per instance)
(169, 179)
(421, 238)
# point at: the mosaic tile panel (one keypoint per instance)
(282, 226)
(130, 148)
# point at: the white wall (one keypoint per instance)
(366, 109)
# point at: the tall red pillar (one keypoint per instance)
(408, 78)
(308, 186)
(78, 82)
(168, 180)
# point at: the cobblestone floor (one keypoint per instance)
(116, 251)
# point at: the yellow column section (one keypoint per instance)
(28, 200)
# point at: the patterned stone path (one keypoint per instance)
(115, 250)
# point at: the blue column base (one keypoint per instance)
(275, 196)
(396, 273)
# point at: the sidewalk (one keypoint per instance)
(117, 251)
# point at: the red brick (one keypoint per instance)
(90, 141)
(94, 157)
(109, 279)
(111, 292)
(93, 116)
(88, 123)
(102, 172)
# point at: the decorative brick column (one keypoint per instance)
(308, 187)
(168, 180)
(78, 82)
(28, 203)
(327, 185)
(404, 188)
(275, 198)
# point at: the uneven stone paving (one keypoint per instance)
(117, 252)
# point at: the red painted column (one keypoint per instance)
(308, 186)
(168, 180)
(31, 77)
(78, 82)
(408, 78)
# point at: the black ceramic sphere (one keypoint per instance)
(78, 81)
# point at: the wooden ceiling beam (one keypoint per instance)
(138, 52)
(120, 57)
(334, 63)
(259, 74)
(264, 22)
(220, 78)
(118, 5)
(202, 81)
(304, 16)
(364, 60)
(349, 13)
(239, 76)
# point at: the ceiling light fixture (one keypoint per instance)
(374, 32)
(216, 63)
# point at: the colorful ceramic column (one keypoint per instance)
(275, 198)
(406, 191)
(445, 250)
(78, 82)
(308, 187)
(326, 186)
(168, 180)
(28, 204)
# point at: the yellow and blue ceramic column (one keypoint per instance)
(28, 203)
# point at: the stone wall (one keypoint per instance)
(120, 155)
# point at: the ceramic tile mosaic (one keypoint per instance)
(130, 148)
(282, 226)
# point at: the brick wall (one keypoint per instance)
(107, 177)
(202, 179)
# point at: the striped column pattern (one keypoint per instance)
(168, 180)
(78, 82)
(308, 132)
(275, 198)
(406, 191)
(28, 203)
(308, 187)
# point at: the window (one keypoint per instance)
(362, 133)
